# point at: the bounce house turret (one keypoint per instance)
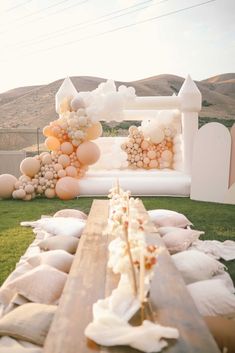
(191, 103)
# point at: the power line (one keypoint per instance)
(98, 20)
(126, 26)
(42, 10)
(19, 5)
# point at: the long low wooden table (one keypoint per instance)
(90, 280)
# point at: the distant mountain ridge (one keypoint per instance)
(34, 106)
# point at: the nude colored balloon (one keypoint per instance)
(88, 153)
(167, 155)
(61, 173)
(30, 166)
(156, 135)
(58, 167)
(77, 103)
(52, 143)
(94, 131)
(151, 154)
(153, 164)
(7, 185)
(67, 188)
(46, 159)
(29, 189)
(47, 131)
(50, 193)
(64, 160)
(71, 171)
(19, 194)
(66, 147)
(49, 175)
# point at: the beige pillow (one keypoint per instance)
(44, 284)
(29, 322)
(196, 266)
(62, 242)
(11, 345)
(71, 213)
(59, 259)
(168, 218)
(180, 240)
(213, 298)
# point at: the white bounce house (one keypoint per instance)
(170, 182)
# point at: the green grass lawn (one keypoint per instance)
(216, 220)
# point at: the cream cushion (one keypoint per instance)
(62, 242)
(180, 240)
(44, 284)
(59, 225)
(195, 266)
(212, 298)
(59, 259)
(29, 322)
(68, 212)
(11, 345)
(168, 218)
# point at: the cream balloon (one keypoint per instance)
(52, 143)
(77, 103)
(88, 153)
(66, 147)
(156, 135)
(46, 159)
(71, 171)
(94, 131)
(7, 185)
(30, 166)
(64, 160)
(67, 188)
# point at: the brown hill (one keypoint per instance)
(34, 106)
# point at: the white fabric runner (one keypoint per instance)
(224, 250)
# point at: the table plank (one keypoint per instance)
(90, 279)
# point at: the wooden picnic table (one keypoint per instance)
(90, 280)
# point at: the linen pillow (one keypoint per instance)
(29, 322)
(164, 230)
(168, 218)
(59, 225)
(180, 240)
(11, 345)
(62, 242)
(212, 298)
(68, 212)
(59, 259)
(195, 266)
(44, 284)
(223, 331)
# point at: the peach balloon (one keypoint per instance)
(66, 147)
(52, 143)
(144, 145)
(71, 171)
(88, 153)
(151, 154)
(50, 193)
(7, 185)
(67, 188)
(64, 160)
(94, 131)
(30, 166)
(61, 173)
(58, 167)
(29, 189)
(153, 164)
(47, 131)
(46, 159)
(167, 155)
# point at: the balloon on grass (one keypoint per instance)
(7, 185)
(67, 188)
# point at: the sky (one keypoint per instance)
(45, 40)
